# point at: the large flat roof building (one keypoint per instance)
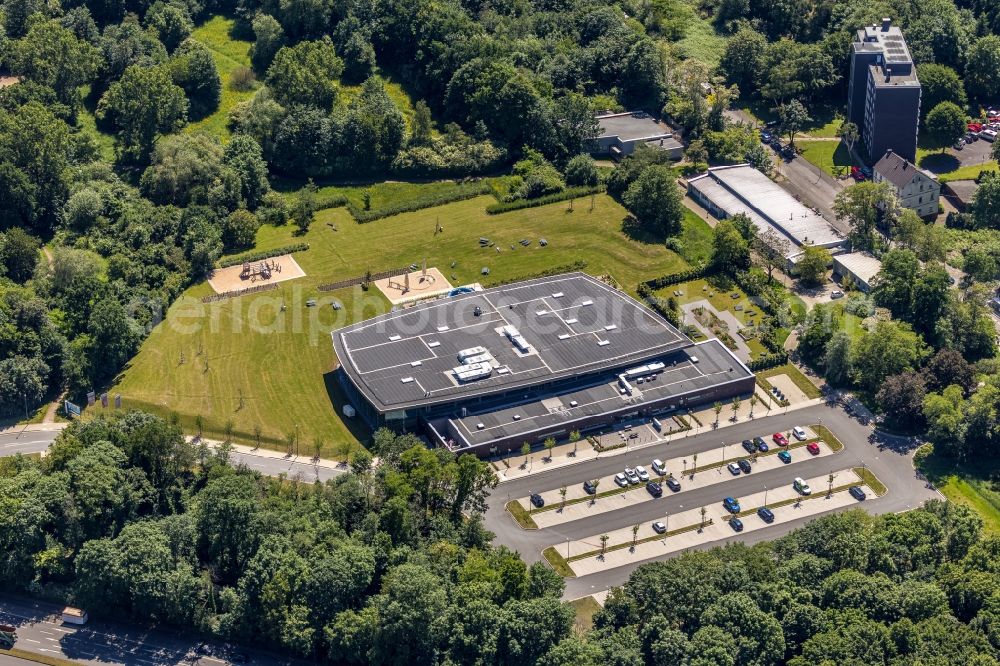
(883, 97)
(620, 133)
(728, 190)
(490, 370)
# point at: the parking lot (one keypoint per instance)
(581, 520)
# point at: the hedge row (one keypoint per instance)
(565, 195)
(768, 361)
(577, 265)
(331, 201)
(649, 286)
(263, 254)
(463, 192)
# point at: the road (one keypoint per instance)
(40, 630)
(13, 442)
(888, 458)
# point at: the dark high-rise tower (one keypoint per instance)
(883, 97)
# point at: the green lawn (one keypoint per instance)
(229, 53)
(695, 239)
(383, 194)
(967, 484)
(283, 364)
(831, 156)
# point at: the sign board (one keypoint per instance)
(118, 400)
(104, 400)
(71, 409)
(91, 397)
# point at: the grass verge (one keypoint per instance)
(801, 381)
(870, 480)
(827, 436)
(40, 658)
(558, 562)
(585, 608)
(830, 156)
(521, 515)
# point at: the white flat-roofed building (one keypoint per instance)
(860, 267)
(729, 190)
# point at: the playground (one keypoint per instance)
(423, 283)
(253, 273)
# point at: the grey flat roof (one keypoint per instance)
(716, 365)
(574, 324)
(743, 189)
(859, 264)
(631, 126)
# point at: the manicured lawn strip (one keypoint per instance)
(827, 436)
(37, 657)
(695, 239)
(970, 172)
(229, 54)
(655, 537)
(800, 380)
(558, 562)
(870, 480)
(585, 608)
(521, 515)
(618, 490)
(831, 156)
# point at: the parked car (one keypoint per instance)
(779, 439)
(654, 488)
(970, 137)
(866, 171)
(642, 473)
(621, 479)
(813, 448)
(856, 174)
(589, 487)
(766, 514)
(799, 433)
(537, 500)
(744, 465)
(836, 293)
(734, 469)
(731, 505)
(801, 486)
(659, 527)
(766, 136)
(762, 446)
(758, 441)
(736, 524)
(988, 135)
(659, 467)
(749, 445)
(631, 475)
(785, 456)
(974, 128)
(857, 493)
(673, 484)
(959, 145)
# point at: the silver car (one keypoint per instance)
(643, 474)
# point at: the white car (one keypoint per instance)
(621, 479)
(643, 474)
(659, 467)
(799, 432)
(631, 475)
(659, 527)
(734, 469)
(988, 135)
(800, 485)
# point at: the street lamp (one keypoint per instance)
(765, 495)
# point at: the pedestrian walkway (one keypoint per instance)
(270, 453)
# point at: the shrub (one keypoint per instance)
(768, 361)
(581, 171)
(242, 79)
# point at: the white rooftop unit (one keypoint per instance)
(469, 373)
(471, 351)
(479, 358)
(521, 343)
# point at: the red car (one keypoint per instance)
(856, 174)
(780, 439)
(813, 448)
(975, 127)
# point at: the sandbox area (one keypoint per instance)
(256, 273)
(415, 285)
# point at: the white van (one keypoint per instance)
(799, 432)
(659, 467)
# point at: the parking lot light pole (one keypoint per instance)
(765, 495)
